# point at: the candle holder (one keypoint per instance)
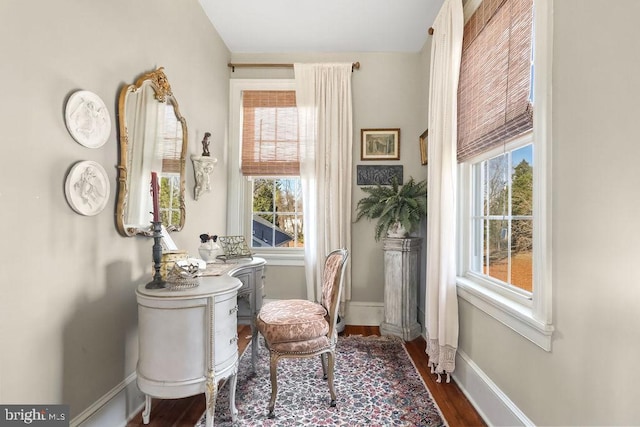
(157, 282)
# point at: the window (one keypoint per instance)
(277, 213)
(271, 150)
(265, 196)
(504, 215)
(170, 199)
(171, 152)
(502, 220)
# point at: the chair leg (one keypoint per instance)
(331, 357)
(323, 360)
(273, 368)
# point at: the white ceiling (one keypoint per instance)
(290, 26)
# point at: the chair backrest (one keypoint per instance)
(332, 283)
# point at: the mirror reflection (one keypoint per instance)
(153, 138)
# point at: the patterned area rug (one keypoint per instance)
(376, 385)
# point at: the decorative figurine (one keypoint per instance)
(205, 144)
(209, 248)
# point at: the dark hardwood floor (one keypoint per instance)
(452, 402)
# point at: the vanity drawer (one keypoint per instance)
(245, 278)
(225, 314)
(225, 332)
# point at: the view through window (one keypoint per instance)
(503, 218)
(170, 199)
(277, 213)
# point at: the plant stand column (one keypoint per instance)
(401, 275)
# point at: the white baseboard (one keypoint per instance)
(364, 313)
(491, 403)
(115, 408)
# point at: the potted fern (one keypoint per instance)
(398, 209)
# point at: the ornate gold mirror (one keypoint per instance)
(153, 138)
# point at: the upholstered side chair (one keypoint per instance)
(300, 328)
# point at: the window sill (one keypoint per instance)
(516, 316)
(282, 259)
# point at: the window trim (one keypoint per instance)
(239, 195)
(534, 321)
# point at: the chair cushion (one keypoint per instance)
(292, 320)
(309, 346)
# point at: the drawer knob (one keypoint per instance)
(233, 310)
(233, 340)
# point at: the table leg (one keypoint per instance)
(232, 394)
(211, 390)
(147, 409)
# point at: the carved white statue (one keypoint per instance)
(203, 167)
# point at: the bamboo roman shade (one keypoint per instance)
(270, 137)
(172, 142)
(494, 102)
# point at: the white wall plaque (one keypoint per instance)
(87, 188)
(87, 119)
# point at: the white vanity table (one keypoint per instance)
(188, 338)
(188, 342)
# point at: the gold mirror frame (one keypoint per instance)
(151, 92)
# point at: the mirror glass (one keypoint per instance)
(153, 138)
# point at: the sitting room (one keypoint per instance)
(479, 302)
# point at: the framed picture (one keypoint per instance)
(423, 147)
(380, 144)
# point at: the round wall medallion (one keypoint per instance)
(87, 119)
(87, 188)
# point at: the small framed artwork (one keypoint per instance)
(424, 147)
(380, 144)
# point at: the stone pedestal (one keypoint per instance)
(401, 275)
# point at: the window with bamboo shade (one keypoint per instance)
(270, 137)
(494, 92)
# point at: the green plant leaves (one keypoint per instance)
(406, 204)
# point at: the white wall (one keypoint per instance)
(68, 317)
(388, 92)
(591, 376)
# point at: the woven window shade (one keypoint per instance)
(494, 101)
(172, 143)
(171, 151)
(270, 138)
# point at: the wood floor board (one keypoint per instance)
(455, 407)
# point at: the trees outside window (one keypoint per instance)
(503, 218)
(277, 213)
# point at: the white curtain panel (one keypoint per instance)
(441, 300)
(323, 97)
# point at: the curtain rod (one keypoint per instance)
(354, 66)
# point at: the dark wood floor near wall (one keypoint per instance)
(456, 408)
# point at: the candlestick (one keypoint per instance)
(154, 192)
(157, 282)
